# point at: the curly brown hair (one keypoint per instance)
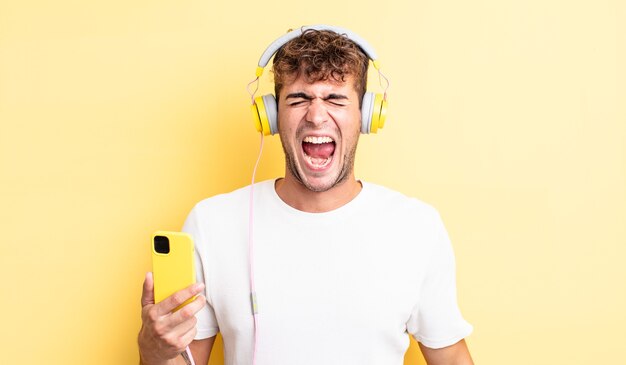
(320, 55)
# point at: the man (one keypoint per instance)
(344, 269)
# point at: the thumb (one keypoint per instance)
(147, 296)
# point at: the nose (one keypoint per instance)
(317, 112)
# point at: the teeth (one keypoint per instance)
(318, 162)
(318, 140)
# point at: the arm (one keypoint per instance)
(201, 350)
(166, 333)
(456, 354)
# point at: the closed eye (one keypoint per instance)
(299, 98)
(337, 99)
(297, 102)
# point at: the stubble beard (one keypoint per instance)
(344, 173)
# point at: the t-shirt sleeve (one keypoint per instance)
(436, 320)
(207, 323)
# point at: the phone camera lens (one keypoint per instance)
(161, 244)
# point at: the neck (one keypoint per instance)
(296, 195)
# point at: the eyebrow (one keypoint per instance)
(301, 95)
(335, 97)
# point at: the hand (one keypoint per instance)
(165, 334)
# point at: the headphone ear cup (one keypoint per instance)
(379, 113)
(265, 114)
(272, 112)
(367, 108)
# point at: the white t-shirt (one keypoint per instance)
(341, 287)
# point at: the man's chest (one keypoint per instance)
(367, 282)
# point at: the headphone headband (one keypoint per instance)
(273, 48)
(265, 109)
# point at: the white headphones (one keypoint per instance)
(373, 106)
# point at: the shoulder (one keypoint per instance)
(410, 223)
(392, 201)
(223, 215)
(232, 201)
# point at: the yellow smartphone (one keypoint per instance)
(172, 264)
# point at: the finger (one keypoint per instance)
(184, 339)
(189, 336)
(182, 328)
(170, 303)
(188, 311)
(175, 324)
(175, 342)
(147, 295)
(181, 336)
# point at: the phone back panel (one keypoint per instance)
(173, 271)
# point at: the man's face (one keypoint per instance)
(319, 125)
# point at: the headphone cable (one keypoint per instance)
(253, 298)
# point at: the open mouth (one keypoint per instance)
(318, 151)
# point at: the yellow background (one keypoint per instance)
(508, 116)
